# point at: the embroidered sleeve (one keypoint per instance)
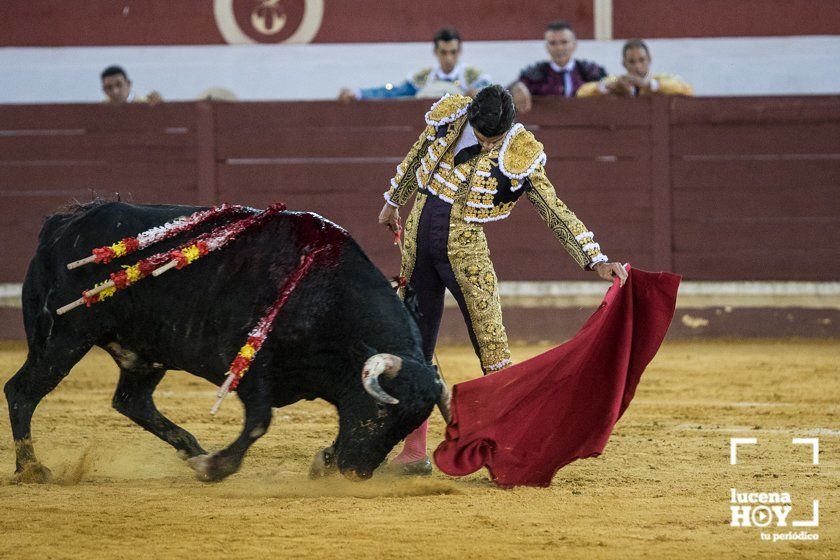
(578, 241)
(420, 78)
(589, 89)
(668, 84)
(596, 89)
(476, 79)
(404, 182)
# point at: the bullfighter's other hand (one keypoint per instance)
(390, 217)
(609, 270)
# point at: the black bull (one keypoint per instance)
(342, 319)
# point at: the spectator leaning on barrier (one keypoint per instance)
(449, 76)
(636, 59)
(117, 88)
(562, 75)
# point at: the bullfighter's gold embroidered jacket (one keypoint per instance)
(488, 185)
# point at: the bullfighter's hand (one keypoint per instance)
(610, 270)
(390, 217)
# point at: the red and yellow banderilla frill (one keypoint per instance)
(180, 257)
(245, 357)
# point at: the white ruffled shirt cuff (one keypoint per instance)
(388, 200)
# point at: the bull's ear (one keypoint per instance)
(410, 302)
(444, 400)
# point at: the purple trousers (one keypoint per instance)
(433, 274)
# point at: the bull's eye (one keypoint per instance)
(381, 410)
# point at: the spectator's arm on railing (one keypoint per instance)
(668, 84)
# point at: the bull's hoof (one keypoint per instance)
(212, 468)
(33, 473)
(323, 464)
(357, 476)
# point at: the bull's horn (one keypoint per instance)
(380, 364)
(443, 401)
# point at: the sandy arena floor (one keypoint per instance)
(661, 489)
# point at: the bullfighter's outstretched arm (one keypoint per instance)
(578, 241)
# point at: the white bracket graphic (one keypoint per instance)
(733, 447)
(815, 517)
(815, 447)
(815, 442)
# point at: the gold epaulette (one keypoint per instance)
(471, 74)
(521, 153)
(447, 109)
(421, 77)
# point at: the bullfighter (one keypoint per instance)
(469, 167)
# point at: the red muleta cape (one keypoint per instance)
(526, 422)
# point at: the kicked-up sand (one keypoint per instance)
(662, 488)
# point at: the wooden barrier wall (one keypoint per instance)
(715, 189)
(755, 184)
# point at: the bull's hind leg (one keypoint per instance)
(42, 372)
(133, 398)
(254, 394)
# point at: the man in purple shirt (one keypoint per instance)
(562, 75)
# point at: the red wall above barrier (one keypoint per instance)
(659, 19)
(162, 22)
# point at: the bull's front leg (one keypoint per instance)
(133, 398)
(254, 394)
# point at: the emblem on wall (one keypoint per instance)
(243, 22)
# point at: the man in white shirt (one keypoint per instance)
(449, 76)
